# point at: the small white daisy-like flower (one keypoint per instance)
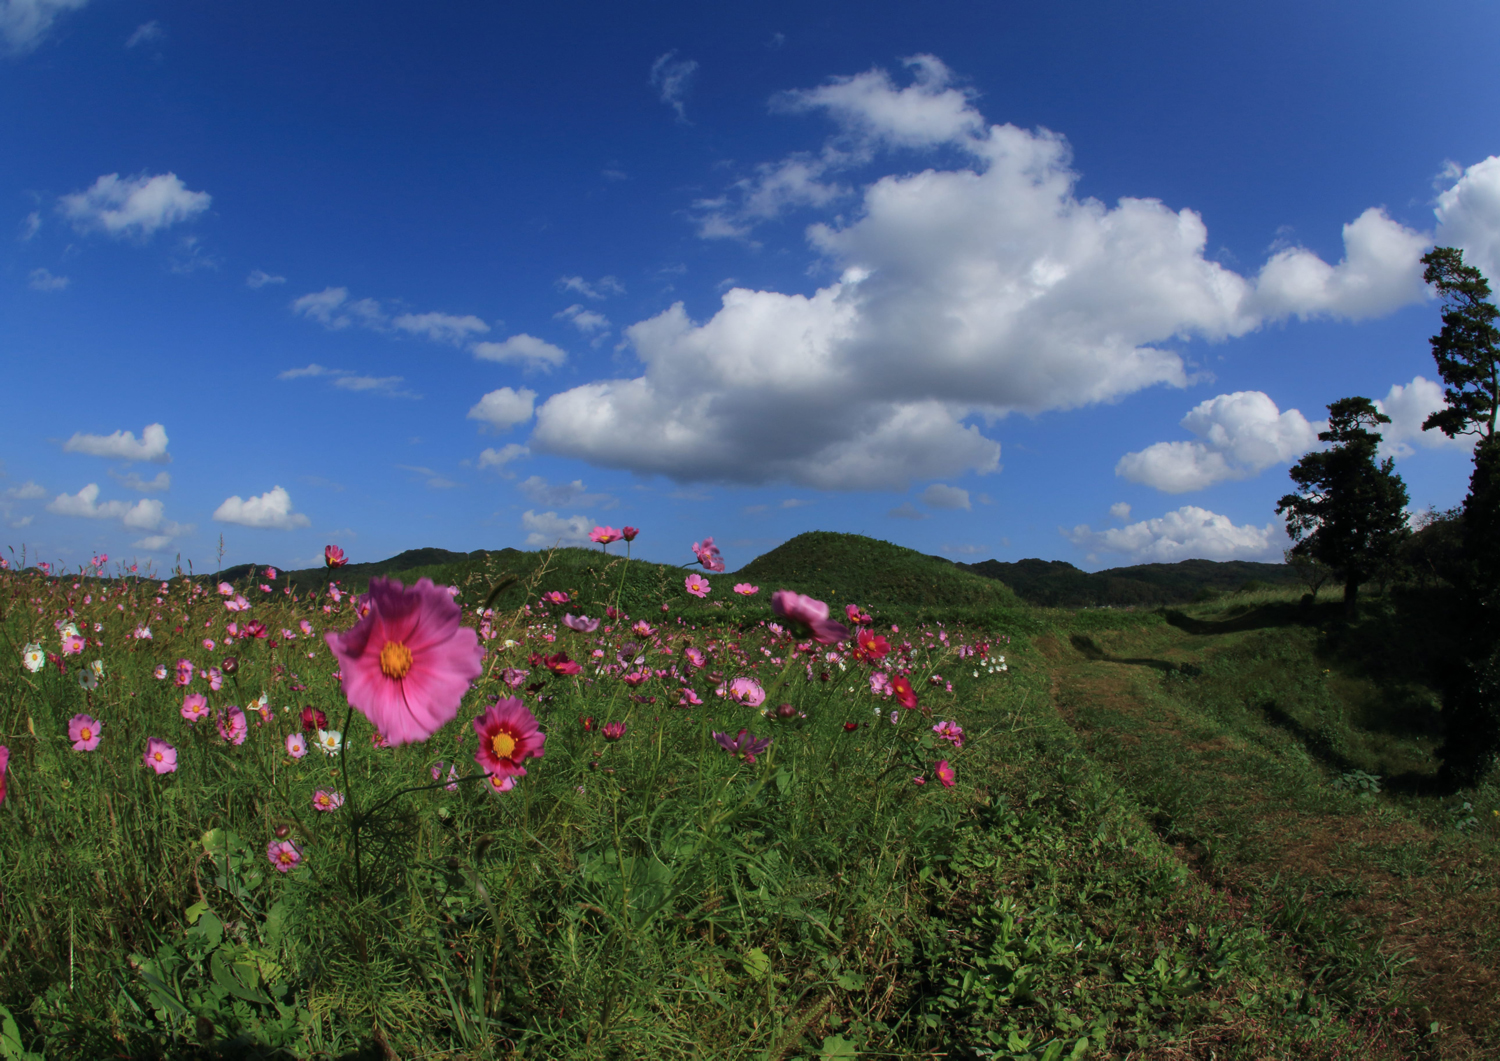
(330, 741)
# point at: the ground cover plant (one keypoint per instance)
(666, 819)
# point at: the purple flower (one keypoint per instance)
(581, 623)
(744, 745)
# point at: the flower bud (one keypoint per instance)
(786, 711)
(282, 831)
(230, 665)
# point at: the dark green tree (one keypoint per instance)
(1350, 512)
(1467, 352)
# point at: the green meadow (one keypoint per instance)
(1211, 829)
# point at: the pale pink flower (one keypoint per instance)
(215, 678)
(208, 643)
(194, 707)
(160, 756)
(160, 672)
(697, 585)
(83, 731)
(324, 800)
(695, 656)
(408, 662)
(296, 745)
(744, 589)
(689, 698)
(581, 623)
(809, 613)
(284, 855)
(225, 589)
(238, 604)
(746, 691)
(306, 626)
(73, 644)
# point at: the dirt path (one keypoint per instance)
(1434, 922)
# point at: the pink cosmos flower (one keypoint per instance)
(629, 533)
(950, 731)
(498, 783)
(870, 646)
(708, 555)
(809, 613)
(556, 597)
(255, 628)
(83, 731)
(508, 735)
(744, 589)
(333, 556)
(636, 678)
(689, 698)
(306, 626)
(184, 671)
(73, 644)
(271, 573)
(695, 656)
(581, 623)
(746, 691)
(327, 801)
(160, 756)
(643, 629)
(905, 695)
(944, 773)
(613, 730)
(855, 616)
(238, 604)
(437, 773)
(604, 535)
(194, 707)
(919, 780)
(215, 678)
(284, 855)
(232, 725)
(296, 745)
(744, 745)
(408, 662)
(697, 585)
(4, 764)
(208, 643)
(226, 590)
(514, 677)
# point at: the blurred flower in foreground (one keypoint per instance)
(83, 731)
(408, 662)
(508, 735)
(284, 855)
(708, 555)
(809, 613)
(333, 556)
(160, 756)
(743, 746)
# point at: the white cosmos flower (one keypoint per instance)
(330, 740)
(97, 667)
(33, 658)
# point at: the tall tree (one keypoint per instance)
(1467, 352)
(1350, 513)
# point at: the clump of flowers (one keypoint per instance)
(408, 661)
(83, 731)
(232, 725)
(508, 736)
(160, 756)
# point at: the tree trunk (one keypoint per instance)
(1351, 600)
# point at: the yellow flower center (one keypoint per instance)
(503, 744)
(85, 733)
(395, 660)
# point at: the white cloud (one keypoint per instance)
(945, 497)
(548, 528)
(1468, 215)
(24, 23)
(1380, 272)
(122, 445)
(344, 379)
(1239, 435)
(273, 509)
(1120, 510)
(145, 33)
(333, 309)
(1187, 534)
(153, 542)
(43, 280)
(31, 224)
(870, 109)
(434, 479)
(145, 514)
(601, 289)
(585, 320)
(499, 458)
(259, 278)
(27, 491)
(674, 78)
(504, 408)
(136, 206)
(559, 495)
(1408, 407)
(907, 510)
(441, 327)
(163, 481)
(521, 347)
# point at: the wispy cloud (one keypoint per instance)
(674, 78)
(43, 280)
(345, 379)
(259, 278)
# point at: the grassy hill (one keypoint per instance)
(1057, 584)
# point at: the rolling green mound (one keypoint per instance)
(1058, 584)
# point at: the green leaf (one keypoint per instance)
(225, 978)
(194, 912)
(837, 1046)
(757, 963)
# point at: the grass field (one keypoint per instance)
(1202, 832)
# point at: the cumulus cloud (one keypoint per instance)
(334, 310)
(585, 320)
(548, 528)
(559, 495)
(504, 408)
(259, 278)
(122, 445)
(1239, 435)
(27, 491)
(24, 23)
(600, 289)
(153, 542)
(499, 458)
(674, 77)
(1190, 533)
(145, 514)
(524, 348)
(1381, 271)
(441, 327)
(43, 280)
(135, 206)
(1409, 406)
(1120, 510)
(945, 497)
(272, 510)
(1468, 216)
(132, 481)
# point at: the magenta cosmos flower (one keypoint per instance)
(629, 533)
(83, 731)
(697, 585)
(284, 855)
(744, 589)
(708, 555)
(604, 535)
(4, 763)
(408, 662)
(194, 707)
(160, 756)
(327, 801)
(944, 773)
(508, 735)
(810, 613)
(333, 556)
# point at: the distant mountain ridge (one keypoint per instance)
(1058, 584)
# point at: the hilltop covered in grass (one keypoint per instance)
(1058, 584)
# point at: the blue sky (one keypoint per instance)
(988, 280)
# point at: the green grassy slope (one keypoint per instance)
(1058, 584)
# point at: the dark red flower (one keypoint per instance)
(313, 719)
(906, 696)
